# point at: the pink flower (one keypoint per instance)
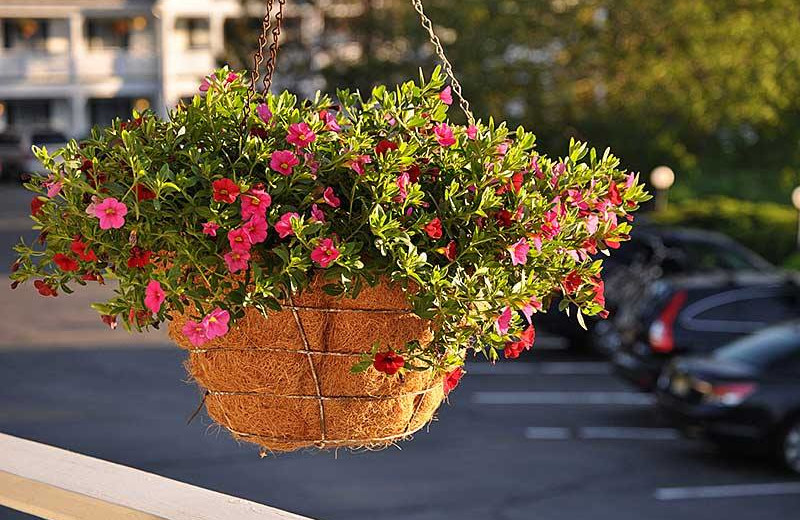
(402, 183)
(205, 85)
(239, 240)
(311, 163)
(284, 225)
(325, 253)
(91, 207)
(154, 296)
(446, 96)
(317, 214)
(237, 260)
(282, 161)
(358, 162)
(53, 186)
(301, 135)
(472, 132)
(111, 213)
(532, 306)
(232, 76)
(444, 135)
(256, 229)
(503, 322)
(216, 323)
(210, 228)
(195, 332)
(330, 121)
(255, 202)
(330, 198)
(264, 113)
(519, 252)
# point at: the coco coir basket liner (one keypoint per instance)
(283, 381)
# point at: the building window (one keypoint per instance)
(25, 33)
(28, 113)
(103, 111)
(193, 33)
(108, 33)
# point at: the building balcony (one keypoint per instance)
(34, 67)
(116, 64)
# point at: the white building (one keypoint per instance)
(68, 65)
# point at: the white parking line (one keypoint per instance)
(617, 433)
(730, 491)
(543, 433)
(562, 368)
(560, 398)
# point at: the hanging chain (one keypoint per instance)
(448, 68)
(273, 48)
(258, 57)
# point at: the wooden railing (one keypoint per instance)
(56, 484)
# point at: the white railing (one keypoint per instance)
(56, 484)
(19, 67)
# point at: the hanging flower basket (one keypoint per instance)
(328, 265)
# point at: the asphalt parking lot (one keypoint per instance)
(552, 436)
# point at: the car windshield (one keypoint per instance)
(706, 256)
(765, 348)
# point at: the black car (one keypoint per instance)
(697, 314)
(744, 394)
(653, 252)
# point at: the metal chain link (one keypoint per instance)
(273, 48)
(258, 57)
(448, 68)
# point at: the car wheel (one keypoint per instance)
(790, 446)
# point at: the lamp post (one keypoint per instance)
(662, 178)
(796, 203)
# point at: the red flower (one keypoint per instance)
(44, 288)
(517, 181)
(388, 362)
(225, 190)
(572, 282)
(503, 218)
(450, 251)
(257, 131)
(434, 228)
(93, 277)
(36, 206)
(140, 317)
(452, 379)
(513, 349)
(384, 146)
(65, 263)
(143, 193)
(139, 258)
(80, 248)
(109, 320)
(413, 173)
(613, 194)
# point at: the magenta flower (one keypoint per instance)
(444, 135)
(154, 296)
(205, 85)
(317, 214)
(195, 332)
(210, 228)
(111, 213)
(358, 162)
(237, 260)
(284, 225)
(446, 96)
(301, 135)
(283, 161)
(330, 121)
(216, 323)
(533, 305)
(264, 113)
(325, 253)
(239, 240)
(519, 252)
(255, 202)
(53, 186)
(311, 163)
(232, 76)
(503, 322)
(330, 198)
(256, 229)
(402, 183)
(472, 132)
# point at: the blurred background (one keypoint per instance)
(685, 402)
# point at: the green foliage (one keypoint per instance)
(388, 160)
(767, 228)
